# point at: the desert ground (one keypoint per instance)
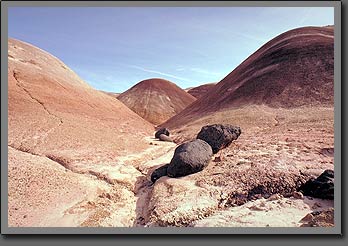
(79, 157)
(252, 185)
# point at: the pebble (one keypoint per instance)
(274, 197)
(297, 195)
(307, 218)
(316, 205)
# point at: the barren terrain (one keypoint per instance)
(251, 186)
(80, 158)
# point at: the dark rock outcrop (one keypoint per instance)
(159, 172)
(164, 131)
(321, 187)
(219, 136)
(165, 138)
(190, 157)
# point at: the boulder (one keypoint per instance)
(321, 187)
(219, 136)
(164, 131)
(159, 172)
(165, 138)
(190, 157)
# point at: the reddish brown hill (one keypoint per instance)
(52, 111)
(62, 136)
(156, 100)
(199, 91)
(294, 69)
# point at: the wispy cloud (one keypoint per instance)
(160, 73)
(252, 37)
(198, 70)
(206, 72)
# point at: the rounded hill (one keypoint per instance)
(156, 100)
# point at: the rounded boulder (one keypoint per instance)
(159, 172)
(219, 136)
(190, 157)
(164, 131)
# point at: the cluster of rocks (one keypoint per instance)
(163, 135)
(195, 155)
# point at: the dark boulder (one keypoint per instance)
(190, 157)
(165, 138)
(219, 136)
(164, 131)
(321, 187)
(159, 172)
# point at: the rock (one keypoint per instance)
(321, 187)
(217, 159)
(190, 157)
(165, 138)
(323, 218)
(159, 172)
(164, 131)
(219, 136)
(275, 197)
(297, 195)
(307, 218)
(316, 205)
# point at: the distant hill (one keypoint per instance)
(156, 100)
(199, 91)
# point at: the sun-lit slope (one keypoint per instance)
(294, 69)
(156, 100)
(62, 136)
(52, 111)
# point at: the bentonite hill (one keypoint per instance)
(200, 90)
(58, 127)
(291, 70)
(156, 100)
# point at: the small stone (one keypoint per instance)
(274, 197)
(217, 159)
(256, 208)
(297, 195)
(308, 217)
(316, 205)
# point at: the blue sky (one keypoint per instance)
(114, 48)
